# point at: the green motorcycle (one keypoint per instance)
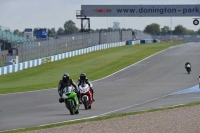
(71, 100)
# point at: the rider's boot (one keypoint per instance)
(79, 97)
(93, 97)
(92, 94)
(61, 100)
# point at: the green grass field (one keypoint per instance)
(95, 64)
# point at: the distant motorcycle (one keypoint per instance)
(86, 95)
(71, 100)
(188, 68)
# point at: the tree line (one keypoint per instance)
(69, 27)
(155, 29)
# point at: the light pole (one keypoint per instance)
(0, 55)
(171, 25)
(18, 43)
(171, 29)
(105, 36)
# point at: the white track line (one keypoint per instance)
(26, 91)
(134, 105)
(141, 60)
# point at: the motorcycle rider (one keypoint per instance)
(66, 81)
(186, 65)
(83, 79)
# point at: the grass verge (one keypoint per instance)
(102, 118)
(95, 64)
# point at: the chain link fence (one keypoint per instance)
(126, 35)
(38, 48)
(141, 35)
(1, 61)
(184, 38)
(30, 50)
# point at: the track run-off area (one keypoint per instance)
(148, 80)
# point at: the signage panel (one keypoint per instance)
(140, 10)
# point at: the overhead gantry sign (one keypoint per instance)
(141, 11)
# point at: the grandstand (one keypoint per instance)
(9, 39)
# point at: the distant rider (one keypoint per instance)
(66, 81)
(83, 79)
(187, 64)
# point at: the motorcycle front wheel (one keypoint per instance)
(70, 106)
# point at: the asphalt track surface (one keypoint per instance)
(151, 78)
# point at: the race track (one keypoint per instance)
(154, 77)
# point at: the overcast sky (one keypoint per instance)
(21, 14)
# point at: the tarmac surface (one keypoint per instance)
(145, 85)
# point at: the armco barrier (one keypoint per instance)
(135, 42)
(37, 62)
(130, 42)
(146, 41)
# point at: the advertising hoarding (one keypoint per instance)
(140, 10)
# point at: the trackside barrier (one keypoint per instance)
(130, 42)
(199, 81)
(146, 41)
(142, 41)
(135, 42)
(37, 62)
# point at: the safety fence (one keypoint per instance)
(3, 57)
(38, 48)
(137, 34)
(40, 61)
(184, 38)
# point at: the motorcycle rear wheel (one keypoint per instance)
(85, 103)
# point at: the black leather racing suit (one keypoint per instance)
(187, 64)
(62, 85)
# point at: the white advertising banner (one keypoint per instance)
(140, 10)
